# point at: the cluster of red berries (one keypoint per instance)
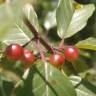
(70, 54)
(17, 52)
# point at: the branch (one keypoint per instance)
(28, 42)
(36, 34)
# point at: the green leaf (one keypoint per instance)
(15, 35)
(7, 16)
(11, 13)
(77, 21)
(20, 33)
(80, 65)
(89, 43)
(32, 16)
(9, 76)
(64, 15)
(6, 20)
(75, 67)
(80, 19)
(83, 87)
(46, 80)
(75, 80)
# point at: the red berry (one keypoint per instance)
(28, 56)
(71, 53)
(14, 51)
(56, 59)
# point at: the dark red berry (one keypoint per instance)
(71, 53)
(14, 51)
(56, 59)
(28, 56)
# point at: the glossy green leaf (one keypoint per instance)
(11, 13)
(32, 16)
(20, 33)
(64, 15)
(77, 21)
(80, 19)
(46, 80)
(15, 35)
(75, 80)
(89, 43)
(83, 87)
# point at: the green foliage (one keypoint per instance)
(64, 15)
(89, 43)
(70, 23)
(19, 33)
(43, 79)
(83, 87)
(5, 20)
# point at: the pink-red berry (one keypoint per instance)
(71, 53)
(14, 51)
(56, 59)
(28, 56)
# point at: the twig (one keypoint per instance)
(61, 43)
(36, 34)
(28, 42)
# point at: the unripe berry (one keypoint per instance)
(56, 59)
(14, 51)
(28, 56)
(71, 53)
